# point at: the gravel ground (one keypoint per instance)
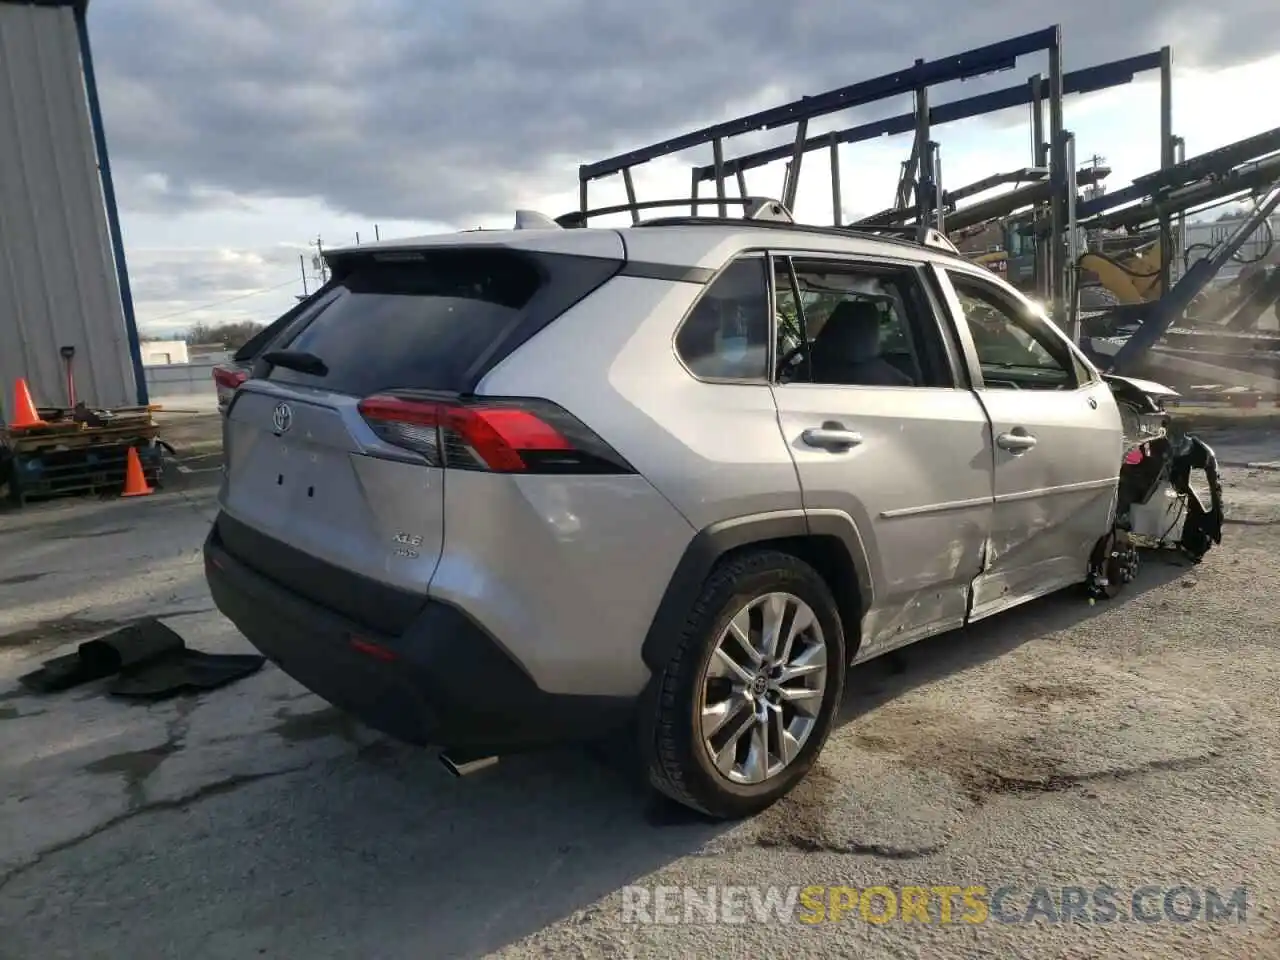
(1129, 743)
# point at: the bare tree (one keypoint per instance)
(231, 335)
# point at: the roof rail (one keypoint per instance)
(754, 208)
(756, 211)
(934, 239)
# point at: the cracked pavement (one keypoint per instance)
(1130, 742)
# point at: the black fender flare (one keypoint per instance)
(712, 543)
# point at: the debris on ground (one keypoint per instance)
(149, 662)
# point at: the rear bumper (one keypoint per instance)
(443, 681)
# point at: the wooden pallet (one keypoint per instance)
(65, 457)
(60, 431)
(92, 471)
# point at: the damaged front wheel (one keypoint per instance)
(1113, 564)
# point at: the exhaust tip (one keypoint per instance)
(462, 765)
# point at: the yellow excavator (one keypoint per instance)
(1129, 276)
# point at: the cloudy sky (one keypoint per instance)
(240, 130)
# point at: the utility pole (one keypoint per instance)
(317, 261)
(302, 264)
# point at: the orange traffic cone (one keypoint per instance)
(135, 481)
(24, 408)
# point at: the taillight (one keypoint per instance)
(501, 436)
(225, 377)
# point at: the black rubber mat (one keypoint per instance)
(63, 673)
(183, 672)
(126, 648)
(149, 661)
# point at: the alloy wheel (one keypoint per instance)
(763, 688)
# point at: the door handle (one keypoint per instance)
(1016, 440)
(831, 436)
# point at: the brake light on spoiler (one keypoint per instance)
(498, 436)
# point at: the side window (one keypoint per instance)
(1012, 351)
(852, 325)
(726, 335)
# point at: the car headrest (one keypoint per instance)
(852, 332)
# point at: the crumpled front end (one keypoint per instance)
(1159, 507)
(1156, 504)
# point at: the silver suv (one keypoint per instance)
(499, 489)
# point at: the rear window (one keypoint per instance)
(416, 322)
(259, 342)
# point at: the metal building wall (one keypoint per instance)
(58, 280)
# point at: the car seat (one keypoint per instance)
(846, 350)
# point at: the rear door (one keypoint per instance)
(884, 431)
(304, 466)
(1058, 442)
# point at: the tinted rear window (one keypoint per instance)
(259, 342)
(414, 323)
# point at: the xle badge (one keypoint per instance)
(404, 541)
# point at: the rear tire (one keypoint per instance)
(784, 696)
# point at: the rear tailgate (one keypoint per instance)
(307, 471)
(304, 468)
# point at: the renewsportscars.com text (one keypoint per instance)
(935, 904)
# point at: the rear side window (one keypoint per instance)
(726, 335)
(420, 322)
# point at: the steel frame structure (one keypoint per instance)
(1244, 165)
(1055, 208)
(1056, 193)
(1154, 318)
(1055, 277)
(916, 79)
(1089, 80)
(1250, 165)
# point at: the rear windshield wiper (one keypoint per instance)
(298, 360)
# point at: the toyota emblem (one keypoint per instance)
(282, 418)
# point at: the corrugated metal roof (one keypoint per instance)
(58, 283)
